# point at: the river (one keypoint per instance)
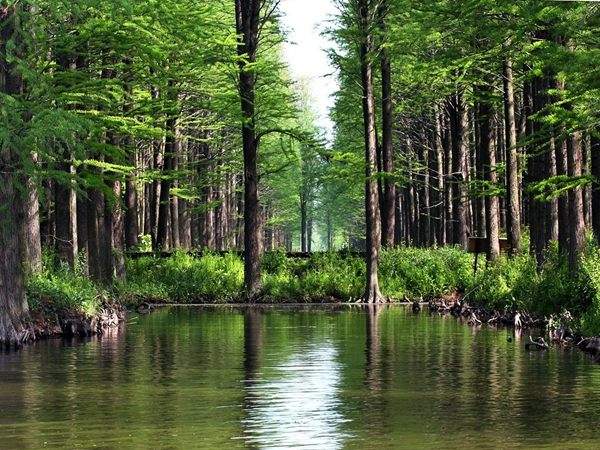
(311, 377)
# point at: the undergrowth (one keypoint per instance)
(405, 274)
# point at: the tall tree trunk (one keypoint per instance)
(447, 174)
(154, 200)
(512, 161)
(93, 234)
(538, 170)
(595, 169)
(425, 215)
(164, 207)
(131, 213)
(559, 146)
(479, 157)
(14, 311)
(388, 212)
(488, 151)
(117, 233)
(373, 219)
(460, 150)
(131, 201)
(576, 219)
(66, 217)
(247, 25)
(303, 225)
(586, 170)
(29, 227)
(82, 232)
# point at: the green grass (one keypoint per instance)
(590, 317)
(182, 278)
(57, 288)
(404, 273)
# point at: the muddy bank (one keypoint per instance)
(47, 323)
(558, 330)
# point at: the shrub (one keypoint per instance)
(590, 268)
(59, 289)
(183, 278)
(427, 273)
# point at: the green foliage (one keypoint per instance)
(427, 273)
(516, 283)
(324, 276)
(404, 273)
(59, 288)
(590, 267)
(183, 278)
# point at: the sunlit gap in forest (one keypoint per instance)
(288, 223)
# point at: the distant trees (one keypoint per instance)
(119, 134)
(158, 126)
(495, 115)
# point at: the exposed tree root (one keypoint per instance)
(44, 325)
(558, 327)
(15, 332)
(373, 296)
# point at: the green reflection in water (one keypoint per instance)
(279, 377)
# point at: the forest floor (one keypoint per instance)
(64, 301)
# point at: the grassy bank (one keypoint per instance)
(405, 273)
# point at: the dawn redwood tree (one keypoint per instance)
(388, 212)
(576, 220)
(595, 171)
(512, 160)
(372, 214)
(14, 310)
(459, 118)
(247, 15)
(485, 120)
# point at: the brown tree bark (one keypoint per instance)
(373, 220)
(164, 207)
(29, 226)
(488, 151)
(14, 310)
(93, 234)
(247, 26)
(559, 146)
(388, 212)
(131, 201)
(303, 225)
(576, 219)
(66, 216)
(595, 170)
(513, 216)
(439, 198)
(448, 179)
(460, 150)
(82, 232)
(538, 170)
(117, 233)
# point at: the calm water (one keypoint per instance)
(316, 378)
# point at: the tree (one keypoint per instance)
(247, 25)
(388, 212)
(372, 213)
(14, 310)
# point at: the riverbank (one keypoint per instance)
(507, 287)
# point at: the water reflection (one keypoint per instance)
(378, 377)
(294, 402)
